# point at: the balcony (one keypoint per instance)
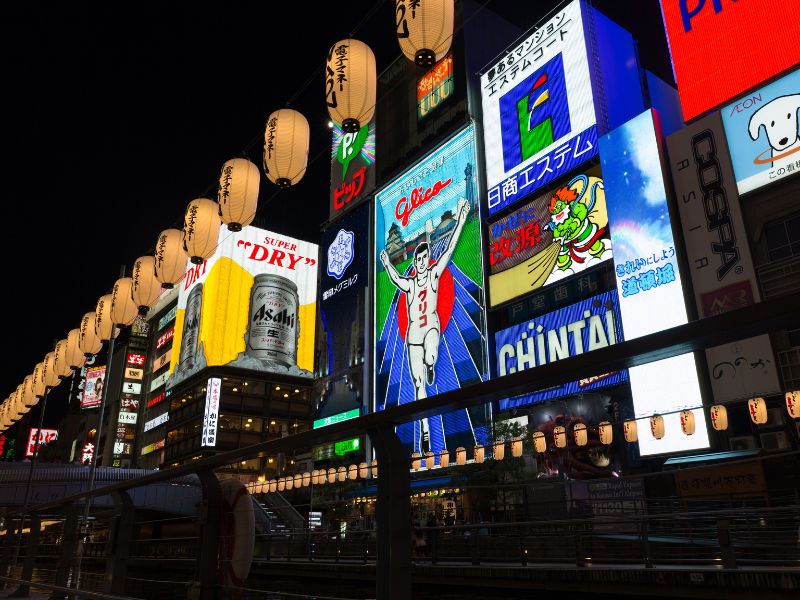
(779, 277)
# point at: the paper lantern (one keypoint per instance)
(289, 483)
(145, 288)
(306, 479)
(424, 29)
(298, 480)
(331, 475)
(200, 230)
(88, 341)
(719, 417)
(281, 484)
(170, 258)
(580, 434)
(238, 193)
(560, 436)
(444, 458)
(363, 470)
(415, 461)
(539, 442)
(273, 486)
(315, 477)
(39, 386)
(352, 472)
(50, 374)
(103, 324)
(374, 467)
(687, 422)
(342, 474)
(499, 450)
(606, 432)
(758, 410)
(516, 447)
(479, 454)
(630, 430)
(793, 404)
(75, 357)
(287, 138)
(28, 398)
(350, 84)
(123, 309)
(461, 456)
(657, 426)
(63, 370)
(429, 460)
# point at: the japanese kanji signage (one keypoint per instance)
(211, 415)
(648, 280)
(435, 86)
(352, 167)
(45, 437)
(538, 111)
(135, 359)
(557, 235)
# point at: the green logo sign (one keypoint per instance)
(350, 414)
(342, 448)
(350, 147)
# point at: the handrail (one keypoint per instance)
(69, 591)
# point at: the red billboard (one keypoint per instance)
(722, 48)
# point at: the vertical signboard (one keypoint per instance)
(648, 280)
(429, 314)
(557, 235)
(538, 111)
(763, 133)
(352, 167)
(211, 414)
(720, 265)
(45, 437)
(721, 49)
(435, 86)
(252, 305)
(94, 381)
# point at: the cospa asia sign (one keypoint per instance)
(538, 111)
(722, 48)
(429, 316)
(252, 305)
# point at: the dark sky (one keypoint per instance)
(119, 113)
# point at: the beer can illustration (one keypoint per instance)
(273, 329)
(191, 327)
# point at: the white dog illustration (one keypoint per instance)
(779, 118)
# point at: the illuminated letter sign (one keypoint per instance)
(211, 415)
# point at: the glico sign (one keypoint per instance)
(722, 48)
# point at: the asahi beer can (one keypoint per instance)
(191, 327)
(273, 329)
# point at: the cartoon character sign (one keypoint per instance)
(763, 133)
(430, 332)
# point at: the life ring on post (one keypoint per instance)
(238, 534)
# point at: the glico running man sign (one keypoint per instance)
(429, 314)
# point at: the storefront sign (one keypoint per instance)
(159, 420)
(350, 414)
(211, 415)
(435, 86)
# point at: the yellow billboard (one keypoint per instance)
(252, 305)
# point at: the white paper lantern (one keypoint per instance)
(719, 417)
(516, 447)
(331, 475)
(479, 454)
(315, 477)
(63, 370)
(200, 230)
(352, 472)
(287, 138)
(145, 288)
(630, 430)
(281, 484)
(415, 461)
(580, 434)
(793, 404)
(39, 385)
(350, 84)
(424, 29)
(273, 486)
(363, 470)
(306, 479)
(342, 474)
(757, 408)
(238, 193)
(606, 432)
(170, 258)
(687, 422)
(88, 341)
(298, 480)
(123, 309)
(50, 374)
(289, 483)
(75, 357)
(374, 467)
(560, 436)
(444, 458)
(499, 450)
(657, 426)
(461, 456)
(28, 398)
(539, 442)
(103, 325)
(429, 460)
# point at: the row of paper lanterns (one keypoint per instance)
(315, 477)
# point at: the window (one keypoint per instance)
(783, 238)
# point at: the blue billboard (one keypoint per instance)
(588, 325)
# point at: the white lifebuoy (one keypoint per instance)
(238, 533)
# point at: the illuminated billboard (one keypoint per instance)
(559, 234)
(211, 414)
(648, 280)
(352, 167)
(429, 316)
(720, 265)
(435, 86)
(252, 305)
(763, 133)
(721, 49)
(93, 387)
(45, 437)
(588, 325)
(538, 111)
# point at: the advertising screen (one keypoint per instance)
(429, 315)
(583, 327)
(648, 280)
(559, 234)
(93, 388)
(352, 167)
(343, 282)
(722, 272)
(45, 437)
(252, 305)
(435, 86)
(721, 49)
(763, 133)
(538, 113)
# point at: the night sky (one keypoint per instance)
(119, 114)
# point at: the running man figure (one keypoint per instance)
(422, 292)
